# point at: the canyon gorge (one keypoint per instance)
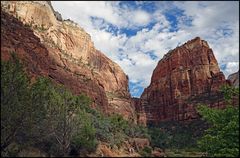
(64, 52)
(61, 50)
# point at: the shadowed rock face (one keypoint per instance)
(64, 52)
(185, 77)
(234, 79)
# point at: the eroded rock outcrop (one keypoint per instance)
(184, 77)
(63, 51)
(234, 79)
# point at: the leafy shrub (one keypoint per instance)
(49, 117)
(177, 135)
(146, 151)
(222, 138)
(15, 104)
(85, 139)
(42, 114)
(159, 138)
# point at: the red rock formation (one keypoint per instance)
(186, 76)
(39, 62)
(64, 52)
(139, 143)
(140, 105)
(234, 79)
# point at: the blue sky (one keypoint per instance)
(136, 34)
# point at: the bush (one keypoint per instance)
(222, 138)
(15, 105)
(85, 138)
(159, 138)
(49, 117)
(134, 130)
(114, 129)
(177, 135)
(103, 127)
(42, 114)
(146, 151)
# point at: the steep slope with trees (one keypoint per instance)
(63, 51)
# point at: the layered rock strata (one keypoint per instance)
(184, 77)
(234, 79)
(63, 51)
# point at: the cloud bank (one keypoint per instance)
(137, 34)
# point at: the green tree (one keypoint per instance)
(49, 117)
(62, 110)
(85, 140)
(159, 138)
(102, 125)
(15, 105)
(222, 138)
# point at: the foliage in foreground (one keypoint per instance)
(42, 114)
(222, 130)
(49, 117)
(222, 138)
(177, 135)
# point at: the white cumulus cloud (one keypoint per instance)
(137, 37)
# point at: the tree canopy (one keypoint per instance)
(222, 138)
(47, 116)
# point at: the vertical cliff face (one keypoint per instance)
(186, 76)
(234, 79)
(63, 51)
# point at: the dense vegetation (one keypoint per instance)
(50, 118)
(177, 135)
(222, 138)
(217, 134)
(47, 116)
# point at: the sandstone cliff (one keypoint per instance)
(234, 78)
(63, 51)
(183, 78)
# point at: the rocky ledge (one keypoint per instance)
(63, 51)
(186, 76)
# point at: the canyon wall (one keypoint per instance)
(63, 51)
(184, 77)
(234, 79)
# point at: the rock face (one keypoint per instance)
(140, 105)
(186, 76)
(139, 143)
(234, 78)
(63, 51)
